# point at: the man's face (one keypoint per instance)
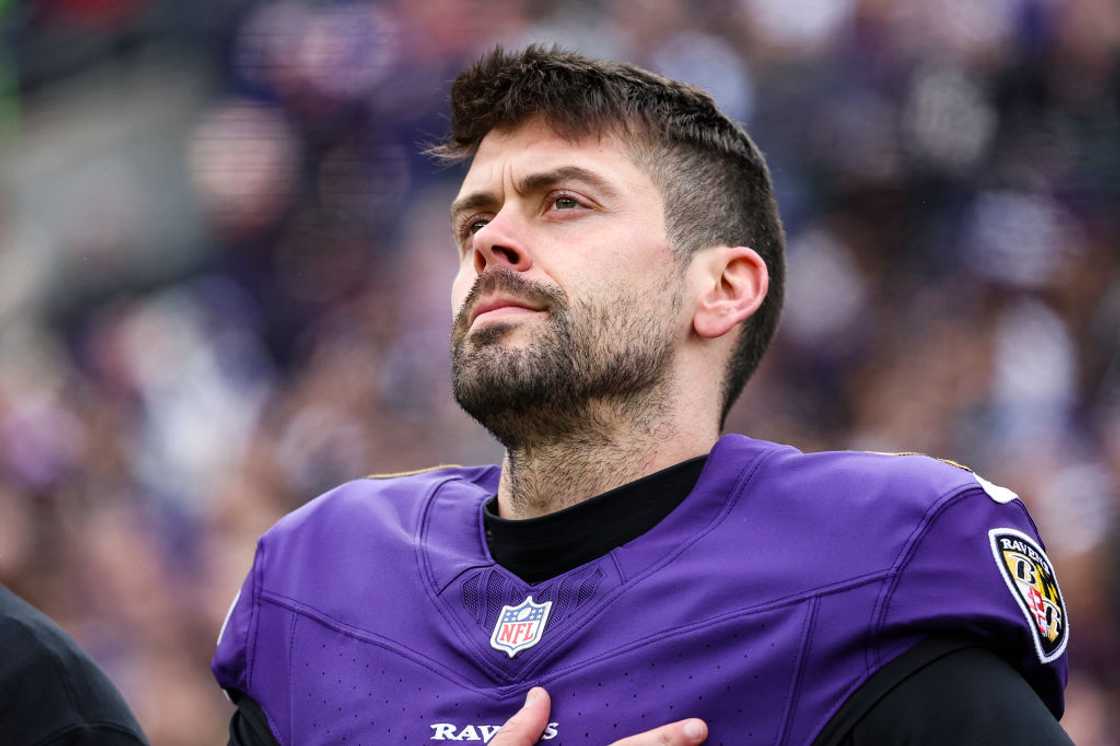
(567, 292)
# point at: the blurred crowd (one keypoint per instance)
(225, 272)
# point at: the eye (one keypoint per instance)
(565, 203)
(470, 226)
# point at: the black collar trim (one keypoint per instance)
(537, 549)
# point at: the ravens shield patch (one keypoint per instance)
(1030, 577)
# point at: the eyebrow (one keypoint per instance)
(537, 182)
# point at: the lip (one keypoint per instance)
(498, 303)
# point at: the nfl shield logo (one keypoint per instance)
(520, 627)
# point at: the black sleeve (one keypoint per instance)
(51, 692)
(249, 726)
(945, 692)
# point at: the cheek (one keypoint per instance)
(460, 288)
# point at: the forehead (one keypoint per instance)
(511, 154)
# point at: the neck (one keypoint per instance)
(546, 477)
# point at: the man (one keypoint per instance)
(620, 276)
(51, 692)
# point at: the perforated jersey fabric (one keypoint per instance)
(781, 584)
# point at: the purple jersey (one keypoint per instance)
(783, 582)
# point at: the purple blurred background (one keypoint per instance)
(225, 276)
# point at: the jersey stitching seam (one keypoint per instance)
(431, 589)
(501, 692)
(745, 478)
(713, 621)
(617, 567)
(341, 627)
(799, 668)
(842, 699)
(737, 492)
(291, 689)
(461, 573)
(905, 556)
(869, 635)
(854, 686)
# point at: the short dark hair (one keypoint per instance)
(713, 178)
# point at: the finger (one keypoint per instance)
(681, 733)
(528, 723)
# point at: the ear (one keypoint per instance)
(732, 283)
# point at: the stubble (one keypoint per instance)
(585, 366)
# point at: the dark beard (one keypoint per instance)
(544, 393)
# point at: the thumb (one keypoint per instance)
(528, 723)
(681, 733)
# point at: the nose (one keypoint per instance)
(496, 245)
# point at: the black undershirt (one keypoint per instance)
(943, 691)
(537, 549)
